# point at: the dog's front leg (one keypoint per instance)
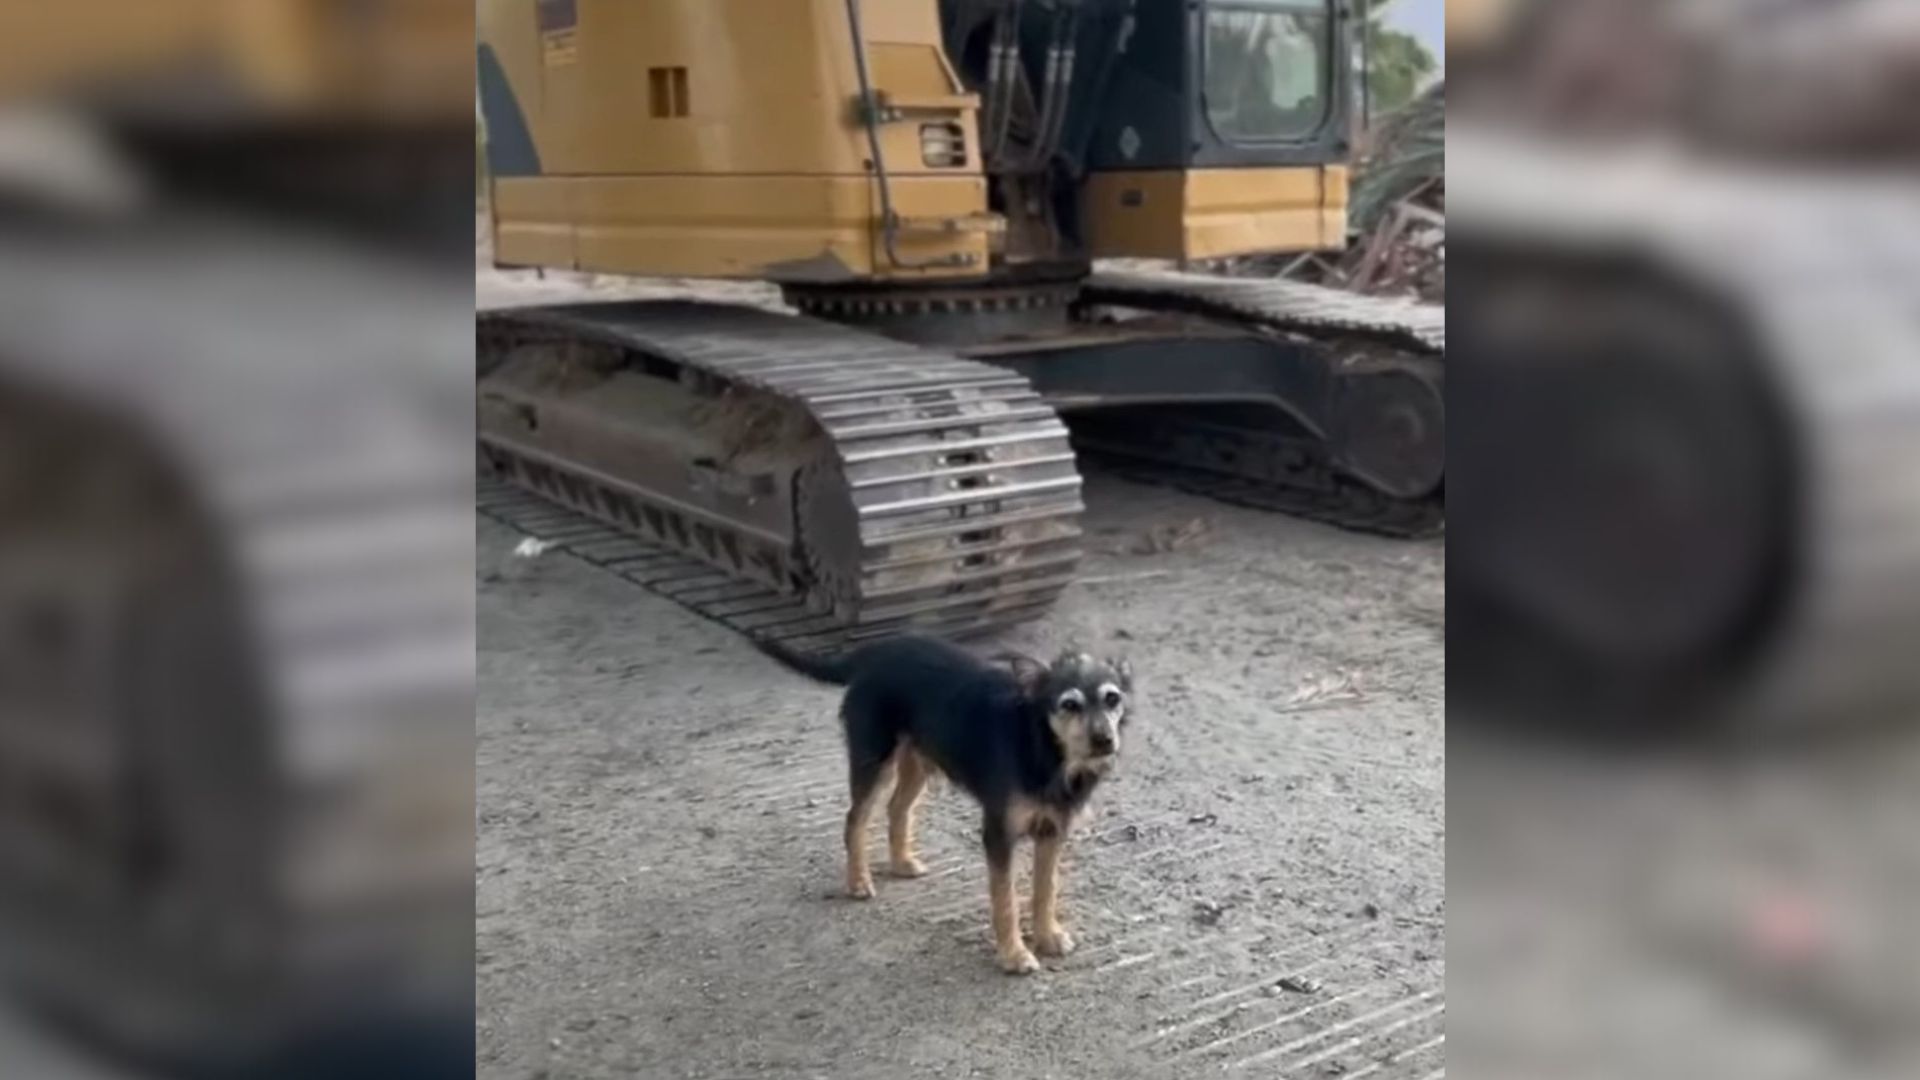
(1015, 959)
(1048, 938)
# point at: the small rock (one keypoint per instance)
(1122, 635)
(1204, 819)
(1299, 984)
(554, 1042)
(1207, 913)
(1370, 910)
(709, 831)
(1171, 537)
(531, 548)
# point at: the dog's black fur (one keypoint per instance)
(1029, 741)
(976, 722)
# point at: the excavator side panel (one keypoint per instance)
(727, 139)
(1214, 213)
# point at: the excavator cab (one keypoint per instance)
(1225, 84)
(1224, 128)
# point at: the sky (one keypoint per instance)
(1424, 19)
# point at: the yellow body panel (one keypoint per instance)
(1473, 24)
(1215, 213)
(724, 226)
(778, 228)
(274, 59)
(532, 223)
(721, 138)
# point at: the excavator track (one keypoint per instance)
(1347, 505)
(1276, 304)
(798, 480)
(753, 610)
(1246, 465)
(235, 656)
(1816, 592)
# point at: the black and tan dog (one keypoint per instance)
(1029, 741)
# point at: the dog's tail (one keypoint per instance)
(835, 671)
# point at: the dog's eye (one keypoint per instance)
(1072, 702)
(1111, 700)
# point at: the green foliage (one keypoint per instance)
(1399, 64)
(1408, 153)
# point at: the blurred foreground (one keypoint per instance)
(1686, 309)
(236, 629)
(1689, 359)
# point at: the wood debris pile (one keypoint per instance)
(1398, 243)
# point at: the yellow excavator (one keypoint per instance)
(931, 183)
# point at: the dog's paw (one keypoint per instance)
(860, 890)
(908, 867)
(1058, 943)
(1019, 963)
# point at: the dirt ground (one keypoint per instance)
(1261, 886)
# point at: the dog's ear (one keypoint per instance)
(1026, 671)
(1124, 669)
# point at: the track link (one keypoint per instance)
(756, 611)
(1350, 506)
(911, 489)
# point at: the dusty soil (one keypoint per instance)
(658, 861)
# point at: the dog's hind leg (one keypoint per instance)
(1015, 959)
(1048, 938)
(910, 779)
(867, 768)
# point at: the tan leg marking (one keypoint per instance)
(1048, 938)
(859, 877)
(910, 780)
(1021, 812)
(1014, 957)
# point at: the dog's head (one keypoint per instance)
(1086, 702)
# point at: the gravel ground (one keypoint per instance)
(1712, 913)
(1262, 885)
